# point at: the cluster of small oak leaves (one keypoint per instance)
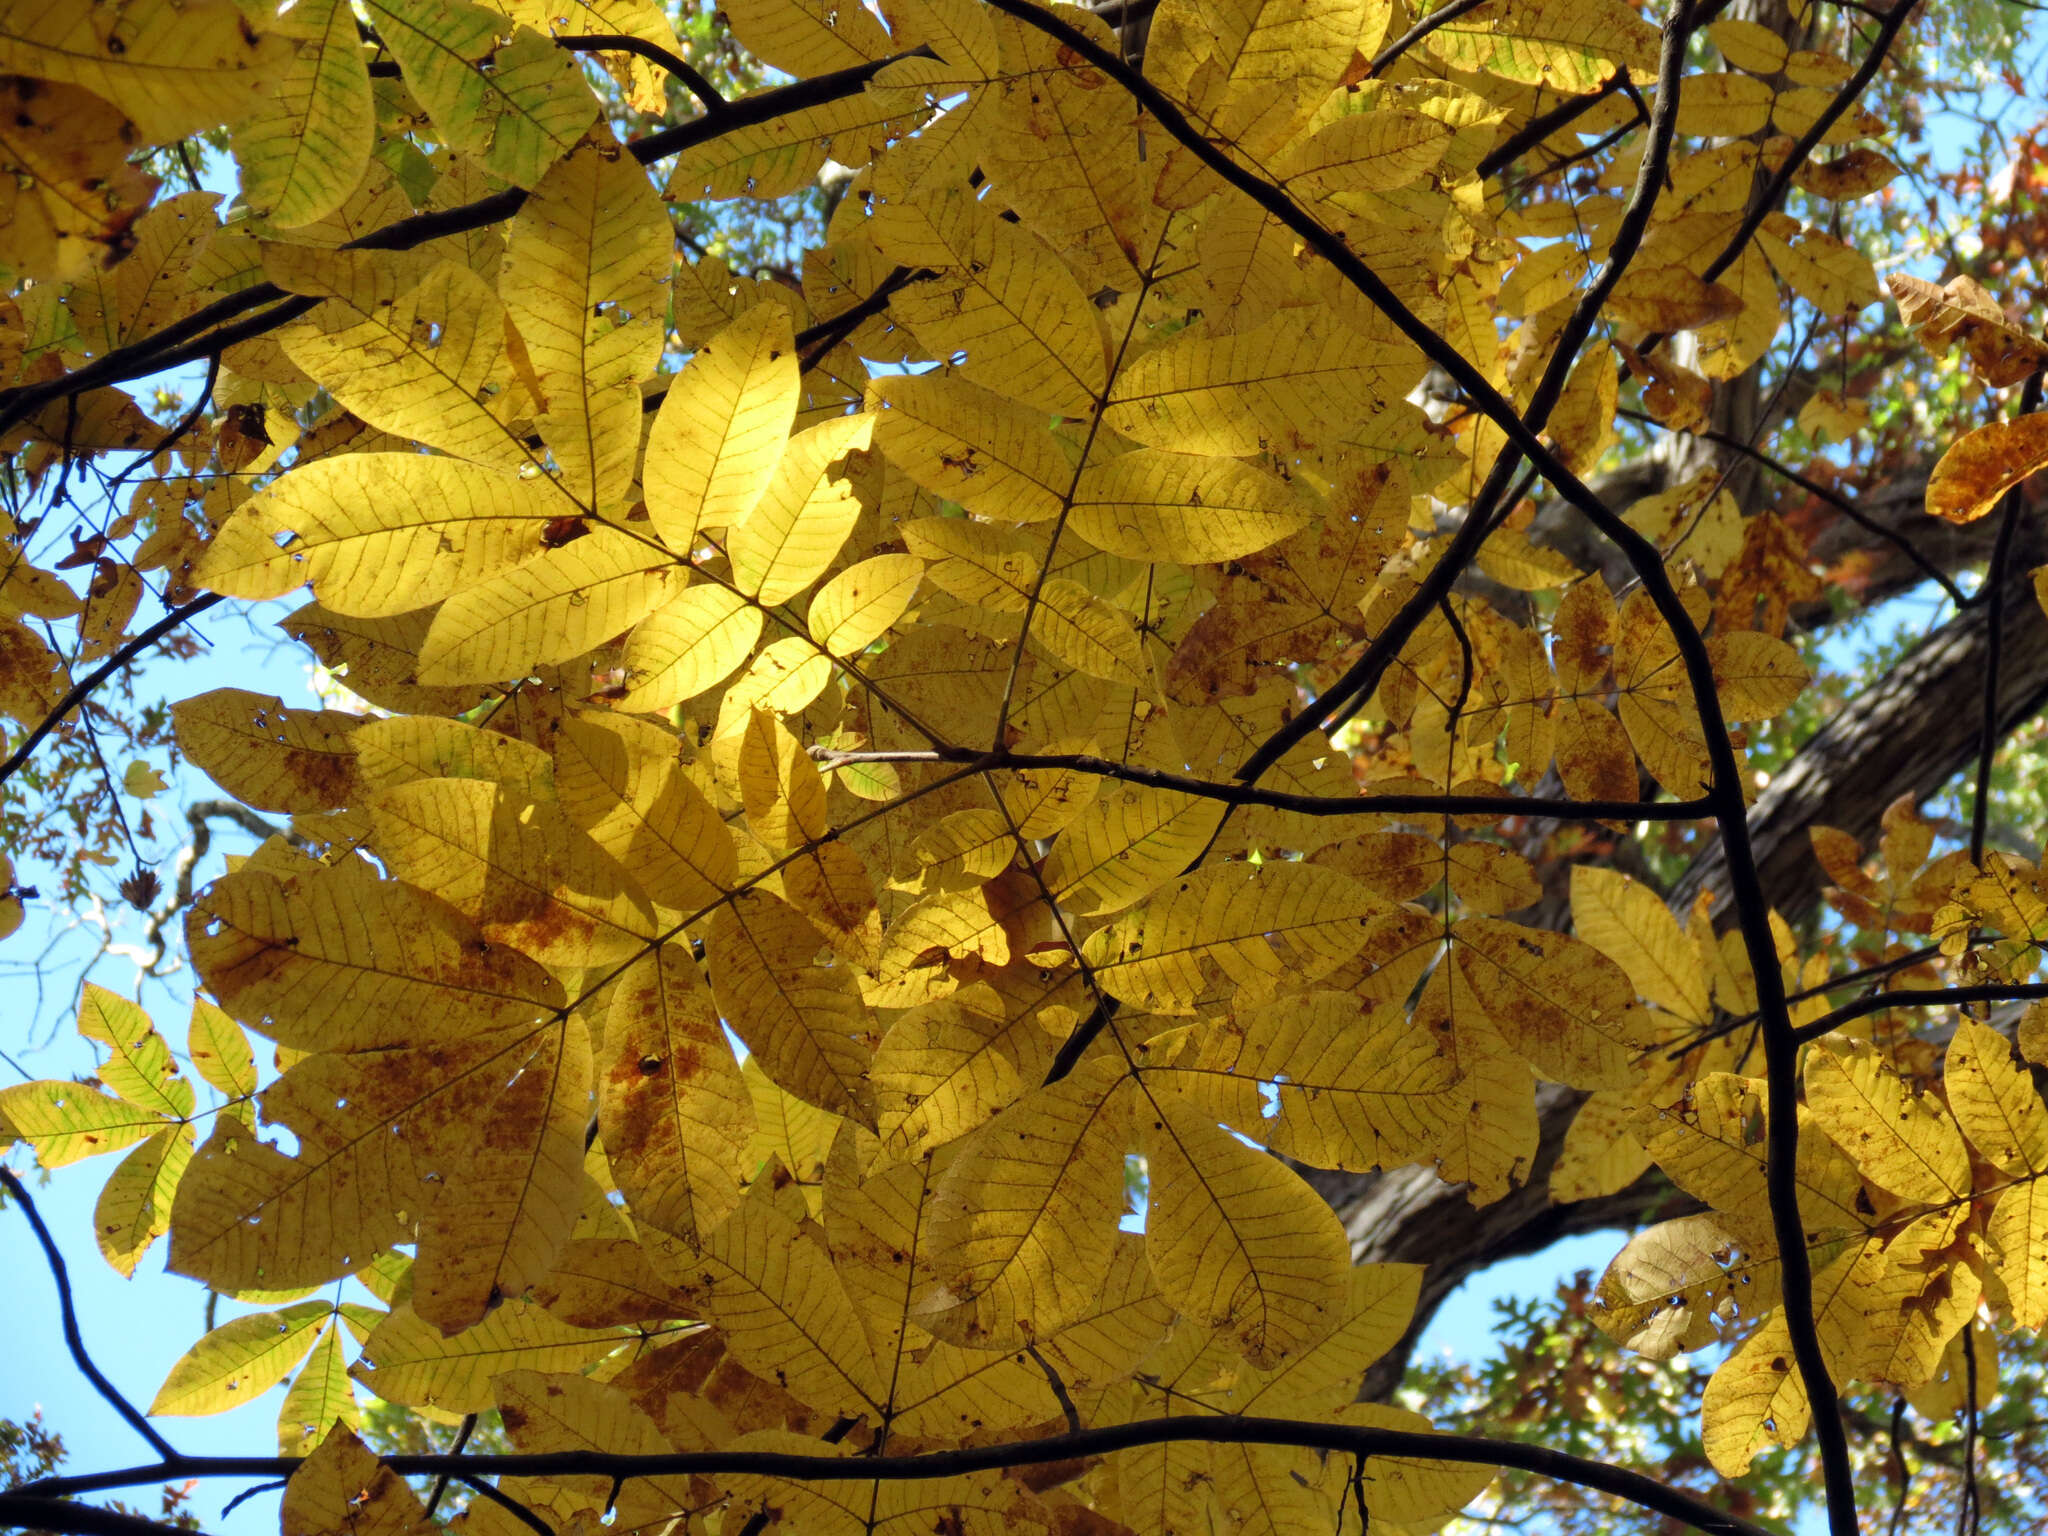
(865, 690)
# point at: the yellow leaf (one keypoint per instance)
(302, 153)
(406, 748)
(63, 1122)
(1835, 277)
(1078, 629)
(1356, 1086)
(1903, 1141)
(516, 103)
(1021, 1225)
(1565, 45)
(240, 1360)
(694, 641)
(377, 659)
(551, 609)
(1001, 296)
(1962, 311)
(1367, 152)
(621, 780)
(1418, 1489)
(1563, 1005)
(265, 755)
(804, 37)
(1600, 1155)
(1157, 506)
(1748, 45)
(1379, 1301)
(721, 428)
(587, 265)
(1627, 923)
(320, 1398)
(368, 344)
(1268, 387)
(219, 1051)
(1755, 1398)
(805, 1021)
(971, 445)
(1982, 465)
(329, 960)
(142, 782)
(516, 867)
(1684, 1285)
(2016, 1236)
(378, 533)
(774, 1294)
(794, 1133)
(73, 195)
(1266, 927)
(343, 1486)
(1238, 1241)
(134, 1208)
(564, 1412)
(1993, 1100)
(511, 1184)
(859, 605)
(780, 785)
(1130, 840)
(138, 1066)
(946, 1068)
(1758, 676)
(408, 1360)
(795, 530)
(175, 68)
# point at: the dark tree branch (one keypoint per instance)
(1339, 1439)
(1239, 793)
(1358, 683)
(1922, 997)
(706, 93)
(1389, 55)
(1833, 498)
(1989, 733)
(73, 1339)
(83, 690)
(1803, 147)
(25, 1512)
(1543, 125)
(168, 346)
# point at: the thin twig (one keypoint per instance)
(1969, 1517)
(1833, 498)
(73, 1339)
(83, 690)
